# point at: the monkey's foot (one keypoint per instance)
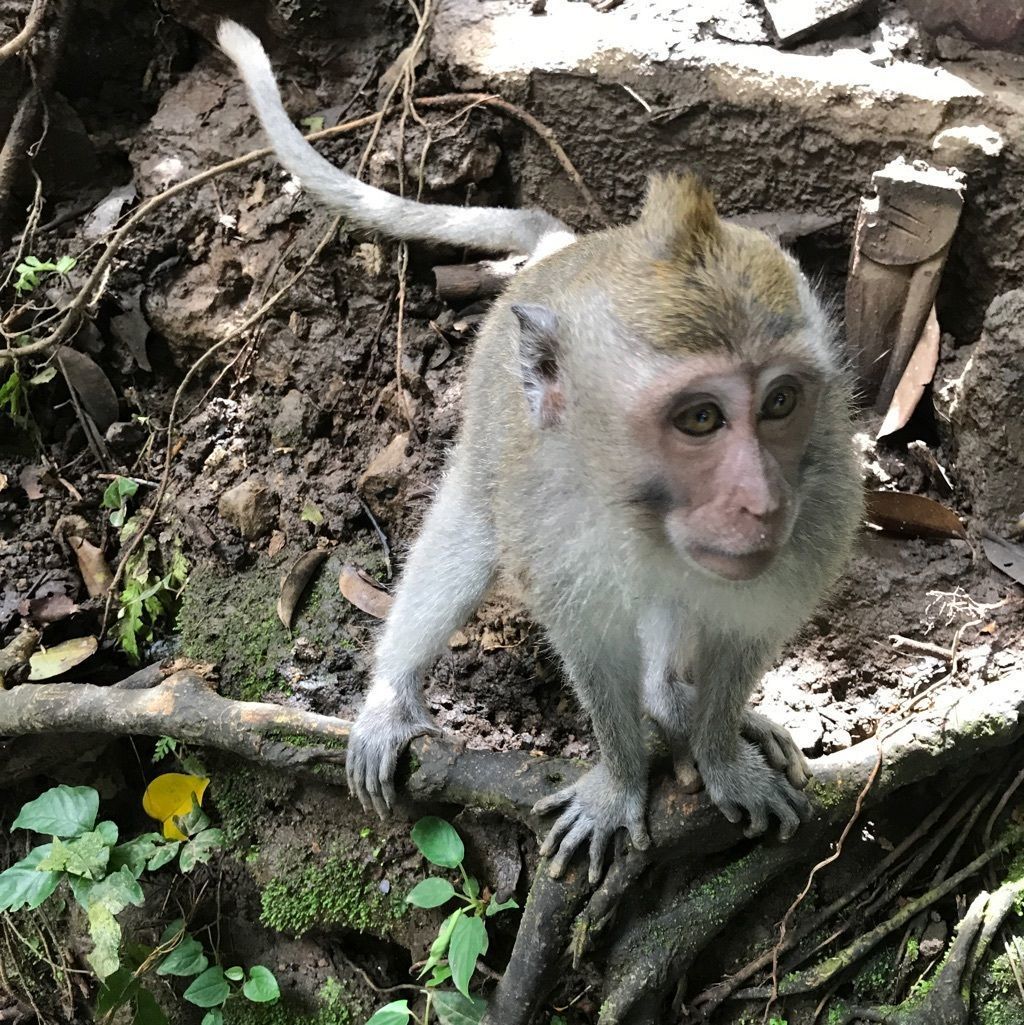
(378, 737)
(595, 807)
(747, 785)
(778, 747)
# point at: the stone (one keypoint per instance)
(967, 147)
(986, 416)
(251, 507)
(294, 422)
(796, 19)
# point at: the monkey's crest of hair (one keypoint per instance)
(701, 284)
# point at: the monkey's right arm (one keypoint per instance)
(489, 229)
(450, 567)
(735, 772)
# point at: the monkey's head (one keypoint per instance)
(701, 407)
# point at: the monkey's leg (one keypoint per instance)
(613, 793)
(450, 567)
(736, 774)
(672, 705)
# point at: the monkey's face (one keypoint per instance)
(728, 438)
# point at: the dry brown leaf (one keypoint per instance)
(29, 479)
(91, 384)
(51, 608)
(55, 661)
(1006, 556)
(918, 375)
(912, 516)
(295, 582)
(92, 565)
(364, 592)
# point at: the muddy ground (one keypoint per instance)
(304, 410)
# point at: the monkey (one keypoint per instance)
(656, 445)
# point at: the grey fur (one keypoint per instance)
(565, 508)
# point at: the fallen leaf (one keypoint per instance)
(277, 542)
(51, 662)
(51, 608)
(295, 582)
(918, 375)
(92, 565)
(1006, 556)
(91, 385)
(311, 514)
(912, 516)
(131, 328)
(3, 481)
(105, 214)
(29, 481)
(169, 796)
(363, 592)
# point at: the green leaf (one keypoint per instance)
(214, 1017)
(493, 909)
(395, 1013)
(211, 989)
(134, 854)
(469, 941)
(311, 514)
(117, 491)
(456, 1009)
(438, 842)
(261, 987)
(147, 1010)
(441, 973)
(200, 848)
(431, 893)
(64, 264)
(23, 885)
(235, 974)
(472, 887)
(313, 123)
(115, 991)
(163, 855)
(106, 937)
(172, 931)
(62, 811)
(439, 947)
(187, 958)
(86, 855)
(116, 891)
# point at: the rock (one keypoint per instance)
(251, 507)
(295, 422)
(124, 436)
(986, 416)
(967, 147)
(989, 22)
(795, 19)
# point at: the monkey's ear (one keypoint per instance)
(679, 219)
(538, 353)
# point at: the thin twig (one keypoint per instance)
(28, 30)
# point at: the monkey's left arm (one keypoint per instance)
(736, 774)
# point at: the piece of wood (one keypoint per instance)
(461, 283)
(794, 20)
(900, 244)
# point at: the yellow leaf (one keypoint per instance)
(170, 795)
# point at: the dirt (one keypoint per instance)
(275, 437)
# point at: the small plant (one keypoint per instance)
(460, 941)
(165, 747)
(103, 878)
(115, 498)
(30, 271)
(151, 592)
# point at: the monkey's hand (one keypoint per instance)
(379, 735)
(595, 807)
(778, 747)
(746, 784)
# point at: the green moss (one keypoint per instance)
(300, 740)
(825, 795)
(334, 893)
(998, 999)
(334, 1008)
(875, 978)
(231, 620)
(246, 798)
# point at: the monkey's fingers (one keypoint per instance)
(553, 801)
(562, 825)
(355, 772)
(569, 845)
(637, 829)
(733, 812)
(598, 846)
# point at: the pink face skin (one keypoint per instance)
(726, 494)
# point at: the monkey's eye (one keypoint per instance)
(704, 418)
(780, 403)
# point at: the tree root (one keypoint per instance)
(655, 942)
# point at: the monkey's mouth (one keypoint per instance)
(731, 565)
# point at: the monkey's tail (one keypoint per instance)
(491, 229)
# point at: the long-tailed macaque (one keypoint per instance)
(656, 446)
